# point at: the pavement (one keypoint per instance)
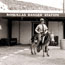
(20, 55)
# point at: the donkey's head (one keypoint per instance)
(34, 38)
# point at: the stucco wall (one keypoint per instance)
(57, 28)
(25, 32)
(22, 32)
(3, 31)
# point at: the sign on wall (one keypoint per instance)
(32, 15)
(35, 15)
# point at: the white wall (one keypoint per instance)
(25, 32)
(24, 35)
(57, 28)
(3, 31)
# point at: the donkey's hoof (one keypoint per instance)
(48, 55)
(35, 53)
(31, 53)
(43, 55)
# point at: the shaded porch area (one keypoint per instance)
(20, 29)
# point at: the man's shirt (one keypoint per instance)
(40, 27)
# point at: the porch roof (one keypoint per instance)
(31, 13)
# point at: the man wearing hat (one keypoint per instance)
(41, 30)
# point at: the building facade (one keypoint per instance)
(23, 28)
(21, 25)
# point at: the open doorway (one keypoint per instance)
(34, 24)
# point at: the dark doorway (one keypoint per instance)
(64, 29)
(9, 28)
(34, 24)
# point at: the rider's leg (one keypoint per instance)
(38, 43)
(39, 38)
(43, 39)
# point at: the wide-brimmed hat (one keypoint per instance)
(41, 19)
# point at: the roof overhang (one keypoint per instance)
(31, 13)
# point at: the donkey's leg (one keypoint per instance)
(47, 50)
(32, 49)
(47, 53)
(35, 49)
(43, 47)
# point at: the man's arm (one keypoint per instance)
(46, 28)
(37, 29)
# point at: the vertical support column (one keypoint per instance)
(64, 29)
(46, 22)
(19, 32)
(9, 28)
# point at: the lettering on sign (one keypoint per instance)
(34, 14)
(24, 14)
(53, 15)
(15, 14)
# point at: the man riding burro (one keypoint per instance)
(41, 30)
